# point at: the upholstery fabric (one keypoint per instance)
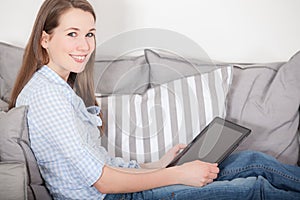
(3, 105)
(144, 127)
(266, 98)
(165, 67)
(15, 146)
(13, 181)
(10, 63)
(125, 75)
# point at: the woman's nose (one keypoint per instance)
(83, 44)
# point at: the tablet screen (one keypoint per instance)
(214, 143)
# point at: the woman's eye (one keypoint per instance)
(73, 34)
(90, 35)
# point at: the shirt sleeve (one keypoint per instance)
(58, 140)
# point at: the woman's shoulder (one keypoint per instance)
(41, 88)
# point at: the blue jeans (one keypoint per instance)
(244, 175)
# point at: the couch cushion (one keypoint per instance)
(13, 181)
(10, 63)
(144, 127)
(15, 146)
(124, 75)
(266, 98)
(166, 67)
(3, 105)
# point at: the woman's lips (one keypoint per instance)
(79, 58)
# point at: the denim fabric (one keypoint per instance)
(244, 175)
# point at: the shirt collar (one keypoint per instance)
(52, 76)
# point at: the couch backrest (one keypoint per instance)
(10, 63)
(15, 147)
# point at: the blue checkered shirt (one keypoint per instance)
(65, 138)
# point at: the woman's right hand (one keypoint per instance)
(197, 173)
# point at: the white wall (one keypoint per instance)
(16, 20)
(231, 30)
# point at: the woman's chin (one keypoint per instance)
(79, 69)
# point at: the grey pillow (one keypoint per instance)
(165, 67)
(15, 146)
(10, 63)
(125, 75)
(13, 181)
(3, 105)
(266, 98)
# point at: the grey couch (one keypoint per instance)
(264, 97)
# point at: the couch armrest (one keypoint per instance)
(13, 180)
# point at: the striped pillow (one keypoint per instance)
(144, 127)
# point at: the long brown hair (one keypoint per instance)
(35, 56)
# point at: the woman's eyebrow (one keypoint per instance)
(72, 28)
(78, 29)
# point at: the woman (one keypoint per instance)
(56, 82)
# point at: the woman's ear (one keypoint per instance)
(45, 39)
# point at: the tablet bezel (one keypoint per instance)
(243, 130)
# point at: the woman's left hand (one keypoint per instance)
(165, 160)
(170, 155)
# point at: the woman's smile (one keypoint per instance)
(78, 58)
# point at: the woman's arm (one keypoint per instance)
(122, 180)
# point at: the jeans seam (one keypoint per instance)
(224, 173)
(174, 194)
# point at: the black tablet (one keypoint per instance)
(214, 143)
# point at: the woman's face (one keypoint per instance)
(72, 42)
